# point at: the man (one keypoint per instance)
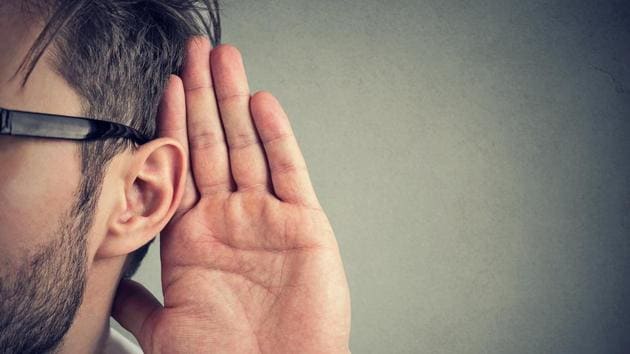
(249, 260)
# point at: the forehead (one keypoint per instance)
(45, 90)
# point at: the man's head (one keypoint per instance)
(67, 208)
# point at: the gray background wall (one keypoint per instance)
(473, 157)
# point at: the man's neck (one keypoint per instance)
(90, 328)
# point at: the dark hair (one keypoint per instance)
(117, 55)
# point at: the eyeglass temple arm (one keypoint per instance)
(31, 124)
(5, 122)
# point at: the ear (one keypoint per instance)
(151, 186)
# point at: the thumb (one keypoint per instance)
(135, 308)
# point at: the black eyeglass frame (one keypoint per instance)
(44, 125)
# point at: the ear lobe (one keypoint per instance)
(150, 190)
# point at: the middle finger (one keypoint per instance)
(247, 157)
(208, 153)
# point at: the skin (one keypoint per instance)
(250, 262)
(38, 179)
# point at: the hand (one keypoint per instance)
(250, 263)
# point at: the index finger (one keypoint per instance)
(208, 150)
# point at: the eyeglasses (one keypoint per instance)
(43, 125)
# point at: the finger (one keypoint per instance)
(135, 308)
(171, 123)
(291, 182)
(208, 151)
(247, 157)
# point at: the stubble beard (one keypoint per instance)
(39, 299)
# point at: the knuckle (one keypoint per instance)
(242, 140)
(279, 137)
(201, 86)
(205, 139)
(238, 96)
(279, 168)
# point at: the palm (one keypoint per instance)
(249, 261)
(264, 276)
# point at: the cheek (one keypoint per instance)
(36, 189)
